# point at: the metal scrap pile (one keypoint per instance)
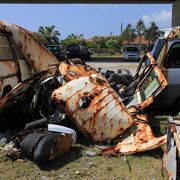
(104, 106)
(77, 94)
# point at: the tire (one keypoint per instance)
(43, 149)
(29, 143)
(51, 147)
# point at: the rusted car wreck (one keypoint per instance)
(103, 108)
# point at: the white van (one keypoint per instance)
(131, 53)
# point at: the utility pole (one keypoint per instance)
(121, 28)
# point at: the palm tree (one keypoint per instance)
(74, 39)
(100, 41)
(49, 34)
(140, 30)
(129, 33)
(152, 32)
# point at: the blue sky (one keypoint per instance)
(89, 20)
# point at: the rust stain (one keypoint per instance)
(74, 71)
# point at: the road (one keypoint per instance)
(112, 64)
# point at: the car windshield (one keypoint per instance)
(131, 49)
(157, 48)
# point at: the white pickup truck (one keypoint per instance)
(166, 52)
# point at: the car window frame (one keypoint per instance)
(170, 66)
(10, 47)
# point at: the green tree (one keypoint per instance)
(152, 32)
(114, 43)
(74, 39)
(140, 30)
(100, 41)
(49, 34)
(91, 44)
(129, 33)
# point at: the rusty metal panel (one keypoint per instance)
(26, 70)
(175, 33)
(12, 81)
(8, 75)
(103, 116)
(141, 139)
(5, 48)
(172, 156)
(73, 71)
(37, 56)
(7, 68)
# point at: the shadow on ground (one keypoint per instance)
(156, 153)
(74, 154)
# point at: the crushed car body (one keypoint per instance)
(103, 108)
(22, 56)
(25, 65)
(99, 112)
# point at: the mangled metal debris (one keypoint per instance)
(101, 105)
(99, 112)
(94, 107)
(172, 154)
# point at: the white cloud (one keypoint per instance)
(162, 18)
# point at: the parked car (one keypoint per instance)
(78, 51)
(57, 50)
(131, 53)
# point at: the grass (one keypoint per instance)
(75, 164)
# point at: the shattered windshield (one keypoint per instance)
(149, 86)
(153, 80)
